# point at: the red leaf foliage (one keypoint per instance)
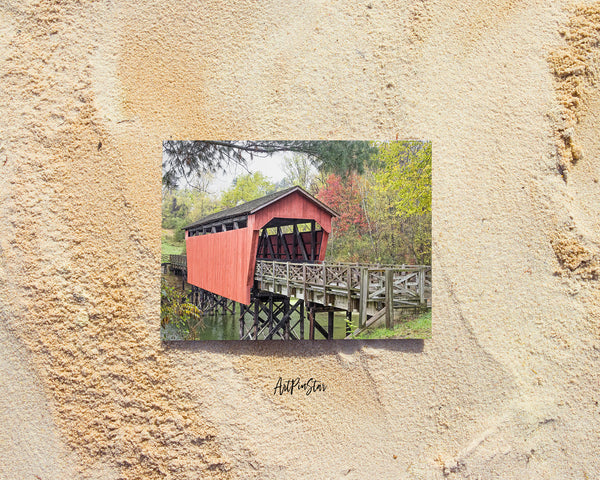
(344, 196)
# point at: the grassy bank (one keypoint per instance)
(419, 326)
(168, 246)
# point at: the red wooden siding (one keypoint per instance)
(224, 262)
(221, 263)
(323, 246)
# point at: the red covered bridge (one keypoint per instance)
(223, 248)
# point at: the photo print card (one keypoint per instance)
(296, 240)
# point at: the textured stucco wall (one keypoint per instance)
(509, 385)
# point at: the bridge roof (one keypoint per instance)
(254, 206)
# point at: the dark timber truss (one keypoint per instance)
(294, 246)
(269, 316)
(211, 303)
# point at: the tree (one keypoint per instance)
(182, 206)
(175, 310)
(245, 188)
(406, 170)
(184, 159)
(404, 179)
(344, 197)
(298, 170)
(350, 239)
(341, 157)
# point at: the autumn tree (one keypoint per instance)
(349, 240)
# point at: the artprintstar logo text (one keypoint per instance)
(295, 384)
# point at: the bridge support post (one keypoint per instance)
(241, 320)
(211, 303)
(389, 297)
(330, 317)
(301, 320)
(271, 317)
(364, 295)
(315, 325)
(422, 299)
(311, 321)
(256, 312)
(270, 313)
(286, 314)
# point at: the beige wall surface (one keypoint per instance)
(507, 91)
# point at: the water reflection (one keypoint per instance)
(227, 327)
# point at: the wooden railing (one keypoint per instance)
(363, 288)
(178, 261)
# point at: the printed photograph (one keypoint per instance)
(296, 240)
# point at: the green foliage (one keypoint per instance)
(349, 246)
(381, 190)
(407, 172)
(342, 157)
(352, 324)
(245, 188)
(180, 207)
(418, 233)
(176, 311)
(168, 246)
(401, 202)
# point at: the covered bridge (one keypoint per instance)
(222, 248)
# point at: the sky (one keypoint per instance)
(271, 167)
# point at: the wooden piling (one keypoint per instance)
(242, 320)
(389, 297)
(302, 321)
(364, 294)
(270, 312)
(286, 325)
(311, 321)
(256, 311)
(422, 299)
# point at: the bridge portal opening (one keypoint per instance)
(290, 240)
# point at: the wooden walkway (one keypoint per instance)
(366, 289)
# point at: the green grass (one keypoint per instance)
(168, 246)
(416, 327)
